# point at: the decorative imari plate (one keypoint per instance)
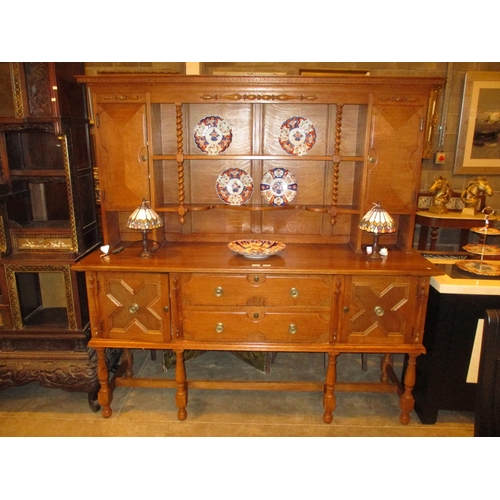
(213, 135)
(234, 186)
(256, 249)
(479, 267)
(297, 135)
(278, 186)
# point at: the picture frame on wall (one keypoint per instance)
(478, 145)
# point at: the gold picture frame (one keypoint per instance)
(478, 145)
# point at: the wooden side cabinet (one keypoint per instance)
(48, 221)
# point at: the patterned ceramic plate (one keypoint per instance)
(278, 186)
(482, 249)
(234, 186)
(297, 136)
(213, 135)
(485, 230)
(256, 249)
(479, 267)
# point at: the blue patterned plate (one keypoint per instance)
(278, 186)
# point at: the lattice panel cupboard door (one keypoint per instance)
(134, 306)
(395, 154)
(380, 310)
(122, 154)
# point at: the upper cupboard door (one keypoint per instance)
(395, 154)
(122, 154)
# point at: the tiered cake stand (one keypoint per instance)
(482, 267)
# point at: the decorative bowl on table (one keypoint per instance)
(256, 249)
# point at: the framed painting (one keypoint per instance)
(478, 145)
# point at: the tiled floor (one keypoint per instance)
(32, 410)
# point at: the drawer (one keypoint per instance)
(226, 326)
(256, 290)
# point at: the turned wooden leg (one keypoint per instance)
(93, 403)
(424, 235)
(105, 395)
(407, 401)
(329, 402)
(128, 358)
(434, 237)
(180, 378)
(384, 364)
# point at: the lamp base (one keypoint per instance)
(145, 251)
(375, 254)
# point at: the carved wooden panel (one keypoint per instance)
(38, 88)
(135, 306)
(379, 310)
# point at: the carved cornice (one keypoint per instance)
(257, 97)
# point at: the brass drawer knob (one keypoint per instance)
(218, 291)
(256, 279)
(292, 328)
(379, 311)
(133, 308)
(256, 315)
(219, 328)
(294, 292)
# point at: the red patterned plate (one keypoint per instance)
(213, 135)
(234, 186)
(297, 135)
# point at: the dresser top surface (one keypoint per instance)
(294, 259)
